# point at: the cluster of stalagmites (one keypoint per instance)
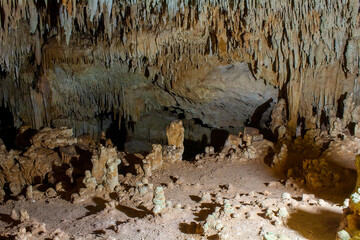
(224, 212)
(244, 147)
(166, 154)
(57, 158)
(39, 163)
(62, 161)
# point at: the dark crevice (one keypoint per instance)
(118, 133)
(256, 119)
(8, 131)
(340, 108)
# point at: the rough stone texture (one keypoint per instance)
(40, 161)
(89, 181)
(175, 134)
(112, 175)
(317, 173)
(153, 160)
(51, 138)
(105, 167)
(279, 161)
(159, 200)
(197, 58)
(171, 154)
(278, 117)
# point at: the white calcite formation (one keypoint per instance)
(216, 222)
(159, 200)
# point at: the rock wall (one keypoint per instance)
(308, 50)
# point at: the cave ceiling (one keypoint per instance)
(67, 62)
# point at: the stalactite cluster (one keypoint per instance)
(308, 49)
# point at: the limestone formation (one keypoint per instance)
(39, 161)
(89, 181)
(105, 168)
(277, 51)
(286, 71)
(215, 222)
(111, 175)
(153, 160)
(205, 197)
(349, 107)
(232, 141)
(317, 173)
(280, 160)
(278, 118)
(175, 134)
(52, 138)
(172, 154)
(349, 226)
(209, 150)
(14, 215)
(143, 191)
(29, 192)
(159, 200)
(24, 216)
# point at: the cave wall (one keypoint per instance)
(67, 62)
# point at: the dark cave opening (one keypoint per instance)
(118, 132)
(217, 140)
(257, 121)
(341, 105)
(138, 137)
(8, 130)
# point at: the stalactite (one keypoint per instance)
(279, 39)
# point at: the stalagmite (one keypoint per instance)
(105, 167)
(154, 160)
(111, 175)
(279, 160)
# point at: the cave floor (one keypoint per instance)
(252, 187)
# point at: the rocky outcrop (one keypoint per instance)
(41, 161)
(317, 173)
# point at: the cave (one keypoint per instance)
(179, 119)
